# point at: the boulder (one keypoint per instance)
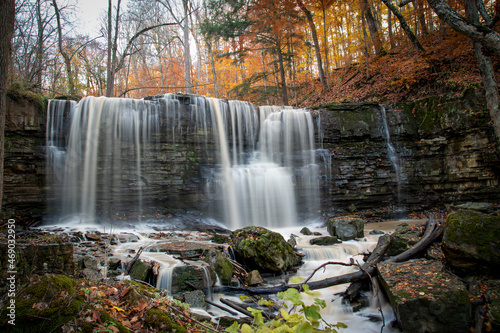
(221, 265)
(254, 278)
(325, 240)
(346, 228)
(471, 242)
(264, 250)
(424, 297)
(140, 270)
(195, 275)
(403, 238)
(195, 299)
(306, 231)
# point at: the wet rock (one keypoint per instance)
(376, 232)
(424, 297)
(114, 263)
(305, 231)
(195, 299)
(292, 241)
(92, 236)
(493, 295)
(254, 278)
(91, 274)
(140, 270)
(346, 228)
(471, 242)
(264, 250)
(403, 238)
(194, 275)
(127, 238)
(220, 239)
(325, 240)
(221, 265)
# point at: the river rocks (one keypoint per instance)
(403, 238)
(424, 297)
(471, 242)
(346, 228)
(306, 231)
(264, 250)
(325, 240)
(195, 299)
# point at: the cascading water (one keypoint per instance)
(123, 157)
(393, 155)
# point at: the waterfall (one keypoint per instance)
(392, 154)
(130, 159)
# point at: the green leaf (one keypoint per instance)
(309, 291)
(244, 297)
(233, 328)
(284, 314)
(312, 313)
(245, 328)
(304, 327)
(320, 302)
(297, 279)
(258, 320)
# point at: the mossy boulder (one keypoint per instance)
(346, 228)
(325, 240)
(140, 270)
(161, 322)
(471, 242)
(403, 238)
(221, 264)
(264, 250)
(424, 297)
(53, 298)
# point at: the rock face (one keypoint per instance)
(444, 149)
(445, 154)
(195, 275)
(424, 297)
(346, 228)
(263, 250)
(471, 242)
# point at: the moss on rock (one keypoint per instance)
(264, 250)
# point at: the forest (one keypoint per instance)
(270, 52)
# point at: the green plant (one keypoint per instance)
(306, 318)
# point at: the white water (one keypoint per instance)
(393, 155)
(265, 157)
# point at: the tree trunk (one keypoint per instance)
(7, 17)
(325, 44)
(367, 63)
(212, 65)
(66, 57)
(404, 25)
(486, 70)
(479, 33)
(282, 71)
(187, 52)
(39, 47)
(372, 27)
(310, 20)
(109, 69)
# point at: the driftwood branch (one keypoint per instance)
(432, 232)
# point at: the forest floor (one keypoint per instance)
(446, 68)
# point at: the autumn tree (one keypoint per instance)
(484, 37)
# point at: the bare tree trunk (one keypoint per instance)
(66, 57)
(187, 52)
(282, 71)
(366, 45)
(486, 70)
(39, 47)
(325, 45)
(372, 27)
(404, 25)
(7, 17)
(109, 69)
(310, 20)
(391, 35)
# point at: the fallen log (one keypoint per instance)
(432, 232)
(375, 257)
(236, 307)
